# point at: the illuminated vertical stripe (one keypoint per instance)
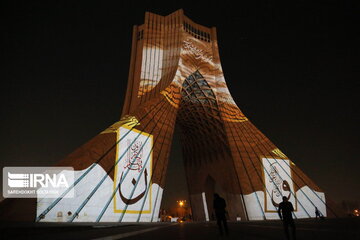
(205, 206)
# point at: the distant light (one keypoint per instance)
(356, 212)
(181, 202)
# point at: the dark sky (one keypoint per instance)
(293, 69)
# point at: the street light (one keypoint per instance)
(181, 210)
(181, 203)
(356, 212)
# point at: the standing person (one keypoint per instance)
(219, 208)
(285, 212)
(317, 213)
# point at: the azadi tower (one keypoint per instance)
(175, 77)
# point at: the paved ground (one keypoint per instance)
(328, 229)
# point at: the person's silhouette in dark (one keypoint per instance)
(220, 213)
(285, 213)
(317, 213)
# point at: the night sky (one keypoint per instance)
(293, 69)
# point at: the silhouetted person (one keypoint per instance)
(285, 212)
(317, 213)
(220, 213)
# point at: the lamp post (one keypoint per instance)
(181, 208)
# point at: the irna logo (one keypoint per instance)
(18, 180)
(38, 182)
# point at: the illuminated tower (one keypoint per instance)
(175, 77)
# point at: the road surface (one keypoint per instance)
(328, 229)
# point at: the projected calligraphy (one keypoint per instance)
(133, 171)
(278, 183)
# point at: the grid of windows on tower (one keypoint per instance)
(196, 32)
(140, 35)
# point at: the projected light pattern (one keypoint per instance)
(175, 76)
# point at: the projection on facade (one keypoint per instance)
(175, 77)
